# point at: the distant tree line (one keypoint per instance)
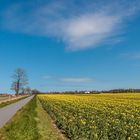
(92, 92)
(122, 91)
(20, 82)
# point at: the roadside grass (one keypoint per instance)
(31, 123)
(47, 128)
(3, 104)
(23, 125)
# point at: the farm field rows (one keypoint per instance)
(95, 117)
(3, 98)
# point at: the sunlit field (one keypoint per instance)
(3, 98)
(95, 117)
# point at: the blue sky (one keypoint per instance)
(71, 45)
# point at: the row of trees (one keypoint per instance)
(95, 91)
(130, 90)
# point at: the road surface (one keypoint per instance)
(7, 112)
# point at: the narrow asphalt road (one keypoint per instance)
(7, 112)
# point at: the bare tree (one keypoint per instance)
(20, 80)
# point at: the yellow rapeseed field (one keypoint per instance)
(95, 116)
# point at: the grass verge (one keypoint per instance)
(31, 123)
(3, 104)
(47, 129)
(23, 125)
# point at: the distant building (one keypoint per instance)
(87, 92)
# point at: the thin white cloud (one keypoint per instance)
(46, 77)
(69, 79)
(77, 27)
(132, 55)
(77, 80)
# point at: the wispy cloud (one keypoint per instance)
(79, 26)
(69, 79)
(132, 55)
(77, 80)
(89, 30)
(47, 77)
